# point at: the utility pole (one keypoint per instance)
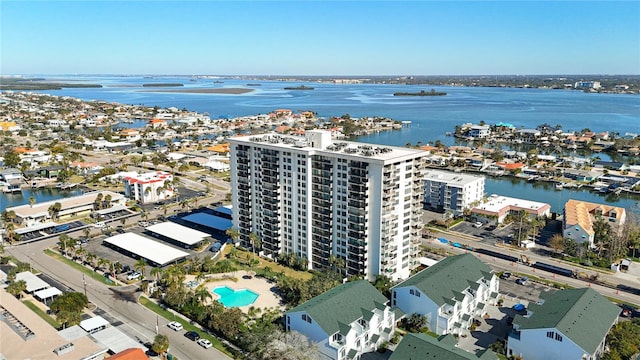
(84, 283)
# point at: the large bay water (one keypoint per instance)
(431, 117)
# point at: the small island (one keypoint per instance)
(301, 87)
(421, 93)
(254, 84)
(162, 84)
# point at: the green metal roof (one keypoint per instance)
(448, 278)
(423, 347)
(583, 315)
(342, 304)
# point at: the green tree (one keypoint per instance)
(141, 266)
(557, 242)
(68, 307)
(17, 287)
(11, 159)
(32, 200)
(160, 344)
(623, 340)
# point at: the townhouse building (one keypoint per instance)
(449, 294)
(570, 324)
(344, 322)
(317, 198)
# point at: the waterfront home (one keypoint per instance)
(580, 175)
(344, 322)
(11, 179)
(130, 134)
(568, 324)
(424, 346)
(579, 217)
(450, 294)
(496, 208)
(479, 131)
(75, 206)
(157, 123)
(87, 168)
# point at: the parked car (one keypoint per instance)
(126, 269)
(192, 335)
(204, 343)
(175, 326)
(522, 281)
(478, 225)
(505, 275)
(215, 247)
(134, 275)
(99, 225)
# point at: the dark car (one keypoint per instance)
(505, 275)
(192, 335)
(126, 269)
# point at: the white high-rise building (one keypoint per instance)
(449, 191)
(322, 200)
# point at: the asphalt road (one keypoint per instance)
(137, 321)
(503, 265)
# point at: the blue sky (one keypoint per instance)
(320, 37)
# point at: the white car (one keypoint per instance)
(478, 224)
(204, 343)
(134, 276)
(175, 326)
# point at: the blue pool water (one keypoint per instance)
(234, 298)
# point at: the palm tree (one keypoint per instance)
(141, 266)
(97, 204)
(254, 239)
(160, 344)
(9, 229)
(32, 200)
(202, 294)
(233, 233)
(107, 201)
(156, 272)
(86, 231)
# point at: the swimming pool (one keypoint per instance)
(235, 298)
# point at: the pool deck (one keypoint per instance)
(266, 299)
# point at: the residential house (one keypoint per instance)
(579, 217)
(423, 346)
(346, 321)
(571, 324)
(479, 131)
(449, 294)
(157, 124)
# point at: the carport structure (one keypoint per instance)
(48, 293)
(216, 225)
(178, 234)
(137, 246)
(34, 283)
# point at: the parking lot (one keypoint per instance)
(489, 233)
(95, 246)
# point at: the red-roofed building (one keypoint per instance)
(130, 354)
(156, 123)
(510, 166)
(282, 129)
(150, 187)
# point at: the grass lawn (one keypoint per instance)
(185, 323)
(51, 321)
(275, 267)
(94, 275)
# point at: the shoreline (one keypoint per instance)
(228, 91)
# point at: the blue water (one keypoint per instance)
(234, 298)
(41, 195)
(431, 117)
(545, 192)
